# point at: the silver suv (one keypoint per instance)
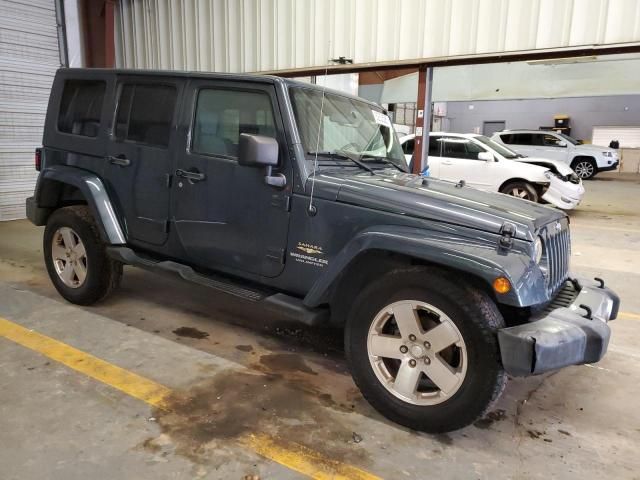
(586, 160)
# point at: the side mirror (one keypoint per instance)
(261, 151)
(562, 144)
(486, 156)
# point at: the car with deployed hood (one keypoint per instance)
(482, 163)
(298, 199)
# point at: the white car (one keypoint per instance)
(487, 165)
(586, 160)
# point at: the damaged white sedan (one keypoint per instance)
(488, 165)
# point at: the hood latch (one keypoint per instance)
(507, 232)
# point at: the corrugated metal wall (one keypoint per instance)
(261, 35)
(28, 61)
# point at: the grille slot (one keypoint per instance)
(557, 249)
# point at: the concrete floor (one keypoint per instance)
(241, 368)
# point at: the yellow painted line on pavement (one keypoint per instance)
(293, 456)
(633, 316)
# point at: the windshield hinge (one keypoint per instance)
(507, 232)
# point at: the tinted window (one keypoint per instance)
(434, 146)
(145, 114)
(81, 107)
(222, 115)
(408, 147)
(520, 139)
(551, 141)
(461, 148)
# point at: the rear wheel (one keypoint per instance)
(585, 168)
(423, 350)
(76, 259)
(521, 189)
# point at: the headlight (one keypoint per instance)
(537, 250)
(607, 154)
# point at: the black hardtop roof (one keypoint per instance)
(246, 77)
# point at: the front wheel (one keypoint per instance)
(585, 168)
(522, 190)
(423, 350)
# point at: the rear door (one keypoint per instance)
(139, 152)
(460, 162)
(225, 216)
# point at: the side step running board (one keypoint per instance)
(291, 308)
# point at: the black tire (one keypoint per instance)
(585, 167)
(521, 189)
(102, 273)
(477, 320)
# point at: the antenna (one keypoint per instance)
(312, 210)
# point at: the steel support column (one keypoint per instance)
(423, 119)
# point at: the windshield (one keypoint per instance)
(348, 125)
(568, 138)
(500, 149)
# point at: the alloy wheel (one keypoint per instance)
(417, 352)
(69, 257)
(584, 169)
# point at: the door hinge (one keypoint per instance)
(168, 178)
(166, 226)
(281, 202)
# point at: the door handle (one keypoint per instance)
(192, 175)
(120, 160)
(447, 162)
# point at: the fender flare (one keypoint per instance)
(95, 193)
(474, 256)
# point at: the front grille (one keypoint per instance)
(565, 297)
(557, 248)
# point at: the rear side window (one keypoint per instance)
(435, 144)
(520, 139)
(145, 114)
(81, 107)
(222, 115)
(408, 147)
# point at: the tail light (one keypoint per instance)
(38, 159)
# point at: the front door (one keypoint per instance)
(138, 160)
(460, 161)
(224, 214)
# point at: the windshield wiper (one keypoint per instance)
(346, 156)
(383, 160)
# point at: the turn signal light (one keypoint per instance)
(502, 285)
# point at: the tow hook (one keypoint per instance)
(600, 281)
(507, 232)
(589, 315)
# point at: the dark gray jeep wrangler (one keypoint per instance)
(298, 199)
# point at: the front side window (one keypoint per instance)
(346, 125)
(222, 115)
(81, 107)
(461, 148)
(551, 141)
(145, 114)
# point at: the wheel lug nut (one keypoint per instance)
(404, 349)
(427, 345)
(412, 363)
(427, 360)
(412, 338)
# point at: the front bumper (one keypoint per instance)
(564, 335)
(608, 168)
(563, 194)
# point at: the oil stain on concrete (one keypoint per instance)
(206, 419)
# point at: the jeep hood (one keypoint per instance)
(431, 199)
